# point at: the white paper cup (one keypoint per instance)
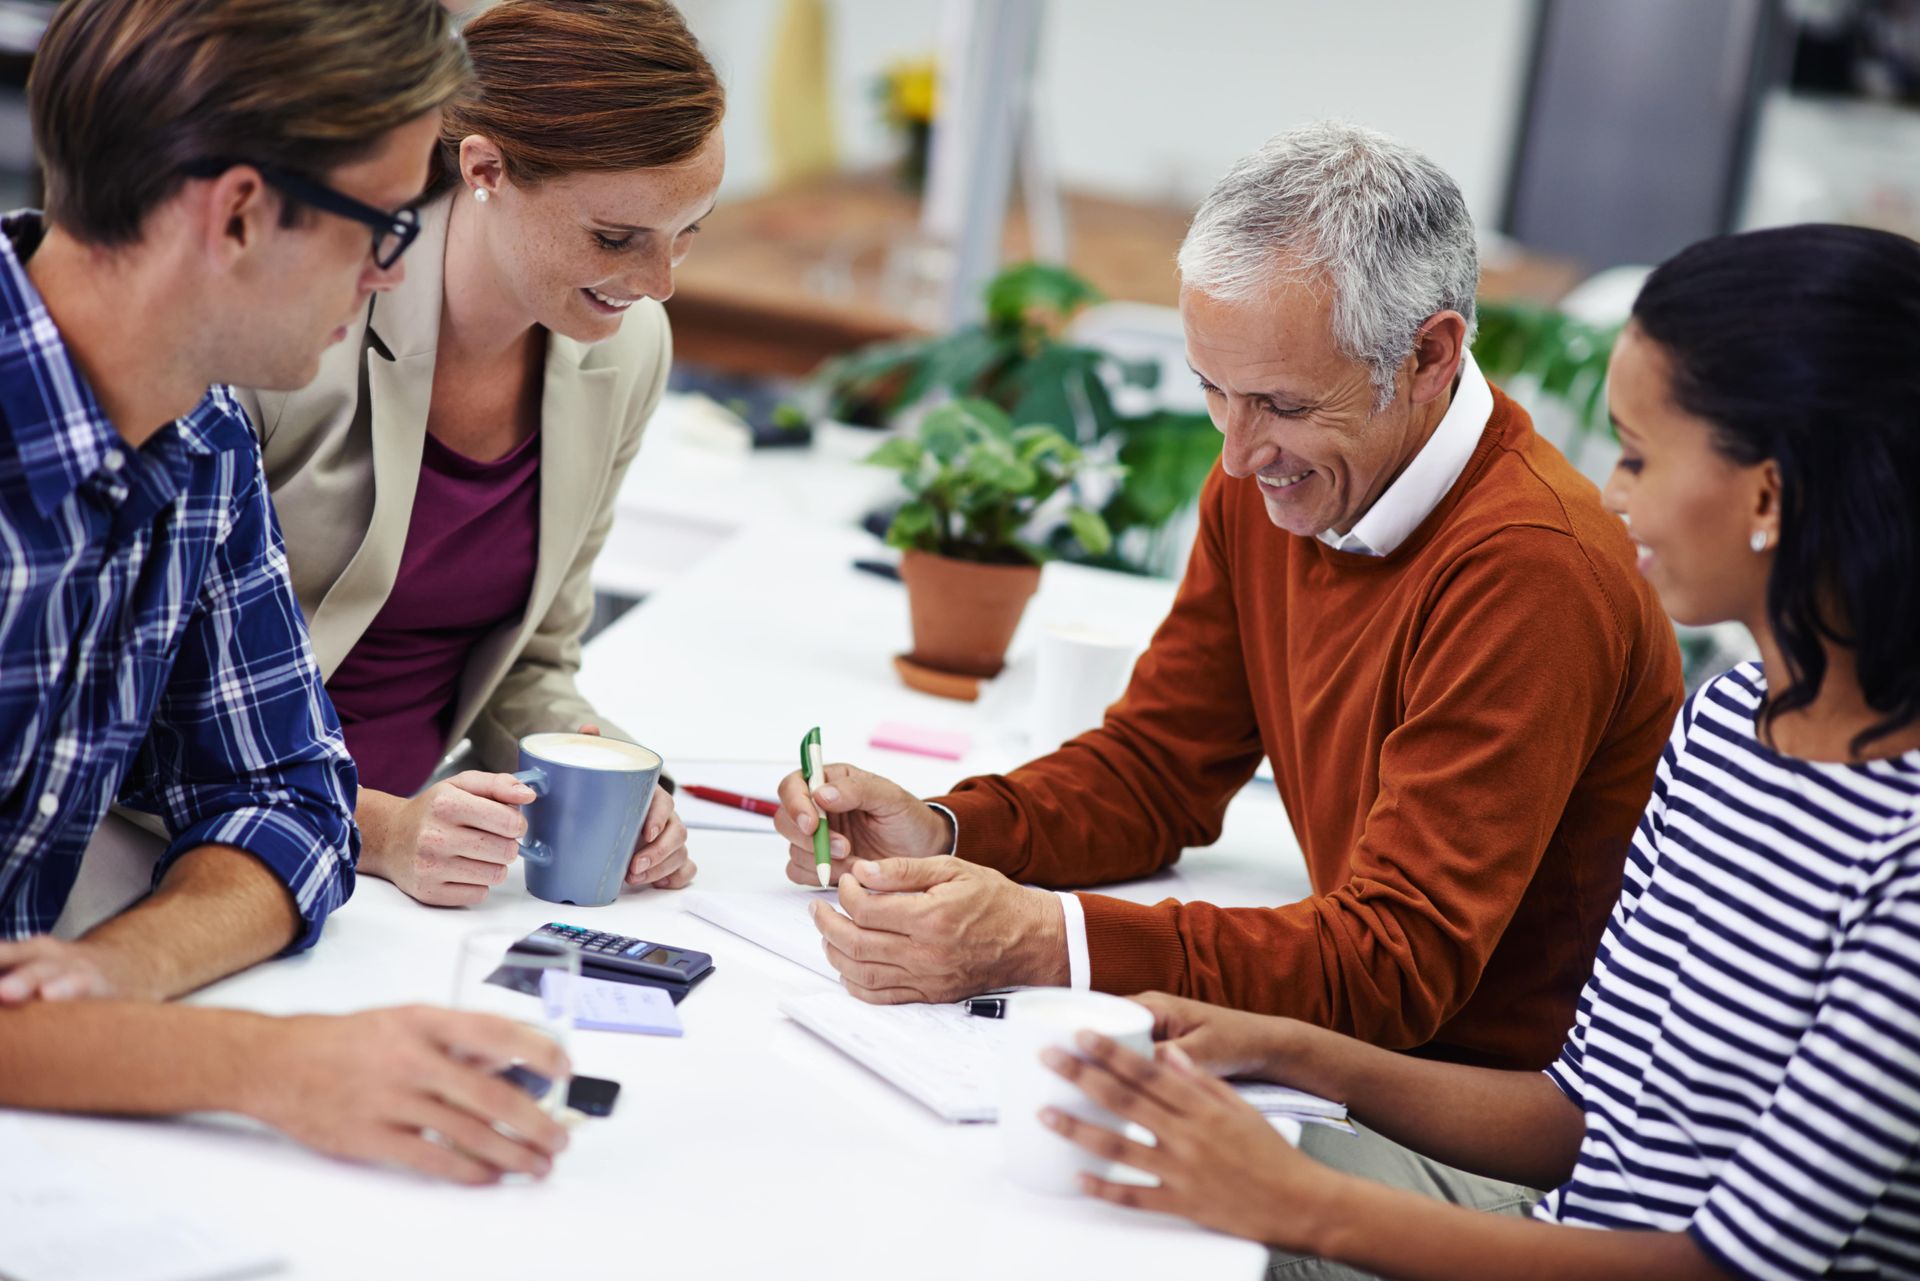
(1036, 1158)
(1080, 672)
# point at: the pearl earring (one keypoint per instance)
(480, 194)
(1759, 540)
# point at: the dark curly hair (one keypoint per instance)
(1802, 345)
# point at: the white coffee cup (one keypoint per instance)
(1080, 672)
(1037, 1158)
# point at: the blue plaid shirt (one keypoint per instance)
(150, 644)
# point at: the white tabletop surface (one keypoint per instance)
(748, 1147)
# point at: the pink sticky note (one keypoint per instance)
(948, 745)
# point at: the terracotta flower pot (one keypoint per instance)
(964, 613)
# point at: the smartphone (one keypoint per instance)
(593, 1095)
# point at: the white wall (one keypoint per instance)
(1154, 98)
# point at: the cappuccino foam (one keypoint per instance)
(585, 751)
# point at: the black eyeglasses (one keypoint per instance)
(392, 232)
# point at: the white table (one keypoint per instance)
(748, 1148)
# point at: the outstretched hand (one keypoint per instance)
(1220, 1162)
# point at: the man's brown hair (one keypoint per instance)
(583, 86)
(125, 94)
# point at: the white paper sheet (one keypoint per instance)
(60, 1222)
(779, 920)
(950, 1060)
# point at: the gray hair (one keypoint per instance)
(1384, 225)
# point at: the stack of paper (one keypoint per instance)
(950, 1060)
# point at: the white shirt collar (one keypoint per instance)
(1418, 490)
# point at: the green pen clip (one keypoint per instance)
(813, 764)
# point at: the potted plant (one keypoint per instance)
(1019, 358)
(975, 483)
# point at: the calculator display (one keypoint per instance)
(619, 956)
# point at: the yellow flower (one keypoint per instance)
(913, 91)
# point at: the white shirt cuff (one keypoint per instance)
(1079, 968)
(952, 822)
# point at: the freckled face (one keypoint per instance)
(1297, 415)
(577, 251)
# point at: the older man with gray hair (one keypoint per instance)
(1399, 594)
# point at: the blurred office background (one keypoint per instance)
(886, 158)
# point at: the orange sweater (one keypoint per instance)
(1464, 733)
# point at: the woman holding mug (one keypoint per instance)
(446, 482)
(1740, 1092)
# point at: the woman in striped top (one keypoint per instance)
(1741, 1088)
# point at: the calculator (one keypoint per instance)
(616, 956)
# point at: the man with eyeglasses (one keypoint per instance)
(213, 173)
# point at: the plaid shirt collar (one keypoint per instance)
(60, 433)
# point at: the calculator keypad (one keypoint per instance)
(598, 943)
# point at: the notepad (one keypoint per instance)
(58, 1222)
(600, 1005)
(949, 1060)
(779, 920)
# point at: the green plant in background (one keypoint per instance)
(1017, 359)
(1565, 358)
(976, 481)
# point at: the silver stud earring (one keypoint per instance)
(1759, 540)
(480, 194)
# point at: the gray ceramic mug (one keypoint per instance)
(594, 794)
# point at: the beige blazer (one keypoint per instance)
(343, 458)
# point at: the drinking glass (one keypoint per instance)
(529, 980)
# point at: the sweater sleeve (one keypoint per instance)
(1122, 801)
(1515, 676)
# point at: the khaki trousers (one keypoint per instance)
(1370, 1156)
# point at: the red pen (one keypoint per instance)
(733, 800)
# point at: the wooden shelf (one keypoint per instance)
(780, 282)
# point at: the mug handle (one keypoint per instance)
(537, 852)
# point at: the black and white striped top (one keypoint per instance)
(1747, 1052)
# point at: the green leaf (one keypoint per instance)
(986, 417)
(1566, 357)
(1018, 293)
(944, 432)
(962, 363)
(996, 465)
(1036, 442)
(1167, 457)
(902, 453)
(1090, 530)
(913, 527)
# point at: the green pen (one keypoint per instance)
(813, 763)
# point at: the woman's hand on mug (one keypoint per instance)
(453, 842)
(660, 858)
(1218, 1161)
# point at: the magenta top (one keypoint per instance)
(472, 545)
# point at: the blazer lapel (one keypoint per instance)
(578, 431)
(403, 336)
